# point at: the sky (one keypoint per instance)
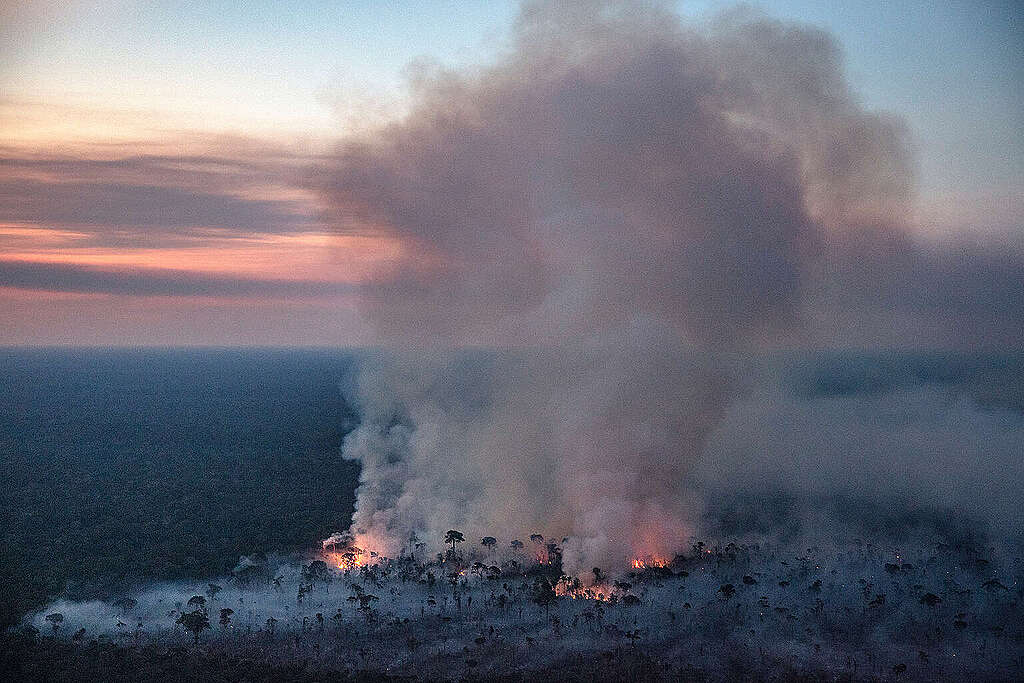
(156, 158)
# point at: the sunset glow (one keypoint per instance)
(198, 153)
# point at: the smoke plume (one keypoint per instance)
(612, 205)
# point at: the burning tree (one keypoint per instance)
(554, 554)
(342, 552)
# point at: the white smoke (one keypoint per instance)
(617, 196)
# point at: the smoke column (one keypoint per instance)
(587, 225)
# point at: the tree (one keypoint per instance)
(488, 542)
(55, 619)
(317, 570)
(212, 590)
(554, 553)
(225, 616)
(252, 574)
(198, 602)
(454, 537)
(537, 538)
(516, 544)
(543, 593)
(194, 622)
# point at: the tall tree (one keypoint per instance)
(454, 537)
(194, 622)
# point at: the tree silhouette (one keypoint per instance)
(197, 601)
(252, 574)
(454, 537)
(554, 553)
(544, 593)
(317, 570)
(212, 590)
(488, 542)
(225, 616)
(194, 622)
(516, 544)
(537, 538)
(55, 619)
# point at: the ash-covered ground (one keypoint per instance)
(721, 610)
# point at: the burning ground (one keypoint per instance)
(721, 610)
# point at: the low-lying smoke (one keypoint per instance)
(614, 197)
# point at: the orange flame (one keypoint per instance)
(346, 560)
(578, 591)
(349, 551)
(652, 562)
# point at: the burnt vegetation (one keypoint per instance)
(717, 611)
(916, 595)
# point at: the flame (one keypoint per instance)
(652, 562)
(577, 591)
(346, 560)
(346, 551)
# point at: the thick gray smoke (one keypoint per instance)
(594, 446)
(616, 196)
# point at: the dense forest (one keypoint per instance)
(122, 467)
